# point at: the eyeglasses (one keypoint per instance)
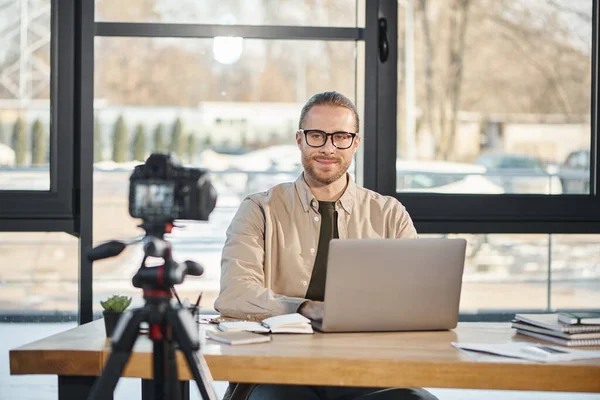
(318, 138)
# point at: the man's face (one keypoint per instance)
(327, 164)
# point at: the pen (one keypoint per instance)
(265, 325)
(196, 306)
(198, 301)
(176, 296)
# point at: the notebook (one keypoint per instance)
(564, 342)
(237, 337)
(550, 321)
(564, 335)
(287, 323)
(584, 318)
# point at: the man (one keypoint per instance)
(274, 258)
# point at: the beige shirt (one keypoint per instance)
(272, 243)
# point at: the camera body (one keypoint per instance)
(161, 190)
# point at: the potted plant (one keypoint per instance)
(114, 307)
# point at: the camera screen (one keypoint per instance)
(154, 198)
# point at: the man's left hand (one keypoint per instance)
(312, 310)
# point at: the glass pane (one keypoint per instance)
(494, 96)
(236, 117)
(38, 282)
(24, 95)
(232, 12)
(575, 271)
(39, 272)
(510, 272)
(503, 272)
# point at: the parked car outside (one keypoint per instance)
(519, 173)
(575, 173)
(443, 177)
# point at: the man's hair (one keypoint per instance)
(333, 99)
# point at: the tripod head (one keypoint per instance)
(157, 280)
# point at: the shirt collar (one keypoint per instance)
(308, 200)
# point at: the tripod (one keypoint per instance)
(168, 325)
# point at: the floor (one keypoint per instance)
(45, 387)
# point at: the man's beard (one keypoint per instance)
(337, 170)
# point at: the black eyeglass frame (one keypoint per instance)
(327, 135)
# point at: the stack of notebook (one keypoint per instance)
(548, 327)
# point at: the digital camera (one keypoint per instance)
(161, 190)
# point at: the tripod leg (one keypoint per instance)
(201, 374)
(173, 377)
(158, 367)
(185, 332)
(165, 383)
(123, 339)
(148, 390)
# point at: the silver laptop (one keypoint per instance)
(392, 285)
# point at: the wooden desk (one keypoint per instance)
(419, 359)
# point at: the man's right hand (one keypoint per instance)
(312, 310)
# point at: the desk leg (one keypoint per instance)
(148, 390)
(75, 387)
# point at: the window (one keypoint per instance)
(499, 85)
(496, 105)
(236, 118)
(218, 88)
(36, 72)
(497, 141)
(39, 273)
(25, 95)
(575, 271)
(534, 272)
(38, 297)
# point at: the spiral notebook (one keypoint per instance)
(565, 335)
(579, 318)
(550, 321)
(562, 341)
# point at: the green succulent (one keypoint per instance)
(116, 303)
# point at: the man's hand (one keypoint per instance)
(312, 310)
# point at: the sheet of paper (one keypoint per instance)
(529, 351)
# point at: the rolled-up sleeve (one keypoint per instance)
(244, 294)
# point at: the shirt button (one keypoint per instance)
(304, 283)
(312, 251)
(316, 219)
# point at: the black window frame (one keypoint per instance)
(68, 205)
(84, 82)
(472, 213)
(51, 210)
